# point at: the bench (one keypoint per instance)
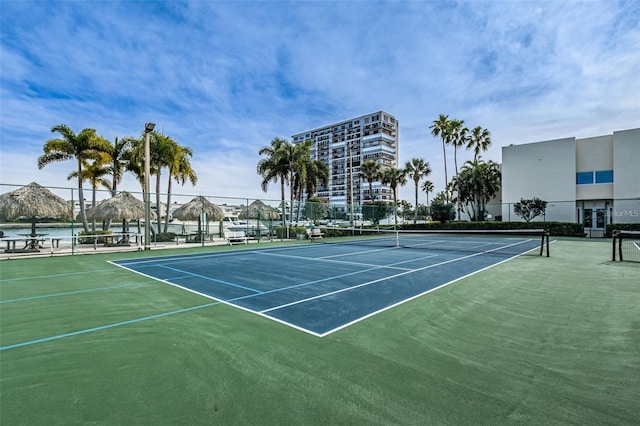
(315, 233)
(235, 237)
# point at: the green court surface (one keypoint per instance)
(534, 340)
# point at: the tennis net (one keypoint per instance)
(626, 244)
(513, 242)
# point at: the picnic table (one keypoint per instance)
(32, 242)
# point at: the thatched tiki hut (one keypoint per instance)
(259, 211)
(194, 210)
(33, 201)
(122, 206)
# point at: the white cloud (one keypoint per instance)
(225, 78)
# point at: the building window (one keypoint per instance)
(604, 176)
(600, 176)
(584, 178)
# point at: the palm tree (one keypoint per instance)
(370, 170)
(394, 177)
(86, 145)
(162, 149)
(179, 169)
(273, 168)
(478, 182)
(427, 186)
(440, 127)
(417, 168)
(118, 152)
(297, 156)
(94, 172)
(317, 175)
(457, 138)
(308, 175)
(479, 140)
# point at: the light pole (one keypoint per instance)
(148, 128)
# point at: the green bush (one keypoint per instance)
(622, 227)
(556, 229)
(293, 231)
(91, 240)
(165, 236)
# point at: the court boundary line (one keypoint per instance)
(229, 302)
(400, 274)
(326, 259)
(371, 314)
(218, 302)
(68, 293)
(40, 277)
(104, 327)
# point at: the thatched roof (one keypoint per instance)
(33, 200)
(123, 206)
(259, 210)
(193, 209)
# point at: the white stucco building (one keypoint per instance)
(594, 181)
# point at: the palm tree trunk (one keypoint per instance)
(83, 215)
(166, 217)
(446, 177)
(415, 211)
(158, 208)
(93, 204)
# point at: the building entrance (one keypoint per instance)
(595, 219)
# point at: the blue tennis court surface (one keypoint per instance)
(319, 288)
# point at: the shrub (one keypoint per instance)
(165, 236)
(83, 239)
(622, 227)
(293, 231)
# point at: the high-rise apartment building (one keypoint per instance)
(344, 146)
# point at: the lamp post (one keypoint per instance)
(148, 128)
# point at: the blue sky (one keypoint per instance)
(224, 78)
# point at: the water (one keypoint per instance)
(67, 231)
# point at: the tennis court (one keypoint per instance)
(532, 340)
(322, 288)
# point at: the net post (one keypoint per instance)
(613, 248)
(620, 247)
(548, 233)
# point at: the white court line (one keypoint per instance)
(381, 279)
(326, 259)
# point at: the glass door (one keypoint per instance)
(588, 218)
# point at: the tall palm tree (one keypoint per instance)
(273, 167)
(370, 170)
(95, 173)
(297, 156)
(479, 140)
(440, 128)
(457, 138)
(83, 146)
(317, 175)
(118, 152)
(161, 149)
(179, 169)
(417, 168)
(308, 175)
(394, 177)
(427, 186)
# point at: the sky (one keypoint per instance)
(224, 78)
